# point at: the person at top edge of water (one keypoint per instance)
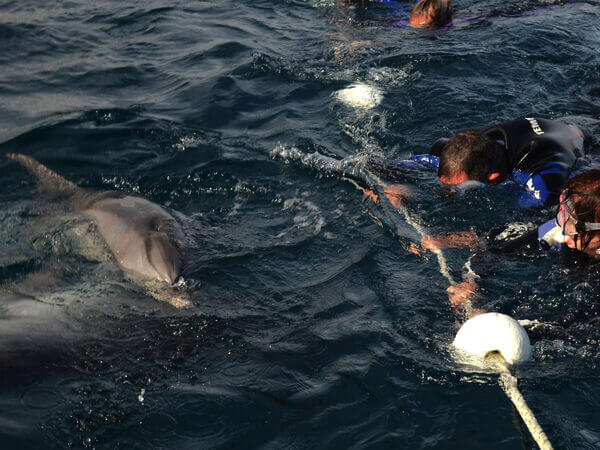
(575, 230)
(425, 14)
(537, 155)
(431, 14)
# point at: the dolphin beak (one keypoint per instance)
(164, 257)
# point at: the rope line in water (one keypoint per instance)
(509, 384)
(507, 381)
(438, 252)
(349, 170)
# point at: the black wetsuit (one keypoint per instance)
(541, 154)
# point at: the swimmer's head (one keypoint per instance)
(472, 156)
(580, 207)
(431, 14)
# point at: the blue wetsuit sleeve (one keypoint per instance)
(542, 188)
(416, 162)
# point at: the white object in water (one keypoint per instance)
(494, 332)
(360, 96)
(554, 236)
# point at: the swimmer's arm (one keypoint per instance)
(416, 162)
(468, 290)
(395, 193)
(482, 264)
(460, 239)
(461, 293)
(463, 239)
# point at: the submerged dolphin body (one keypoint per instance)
(143, 237)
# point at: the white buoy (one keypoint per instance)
(494, 332)
(360, 96)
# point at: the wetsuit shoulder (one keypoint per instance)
(541, 154)
(542, 188)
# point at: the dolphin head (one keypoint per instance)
(164, 256)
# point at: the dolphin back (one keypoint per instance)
(48, 180)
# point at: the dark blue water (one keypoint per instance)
(311, 326)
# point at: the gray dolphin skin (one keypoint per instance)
(143, 237)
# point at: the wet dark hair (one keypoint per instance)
(439, 12)
(473, 153)
(584, 191)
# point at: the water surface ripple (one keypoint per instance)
(311, 325)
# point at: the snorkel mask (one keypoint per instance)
(564, 216)
(463, 187)
(555, 232)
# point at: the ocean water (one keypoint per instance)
(311, 326)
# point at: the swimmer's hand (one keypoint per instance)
(414, 249)
(371, 195)
(454, 240)
(396, 193)
(462, 293)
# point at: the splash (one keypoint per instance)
(360, 96)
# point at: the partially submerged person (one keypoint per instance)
(537, 155)
(425, 14)
(431, 14)
(575, 230)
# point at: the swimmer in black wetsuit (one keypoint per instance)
(537, 155)
(575, 229)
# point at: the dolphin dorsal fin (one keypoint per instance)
(48, 180)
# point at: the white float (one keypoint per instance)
(360, 96)
(494, 332)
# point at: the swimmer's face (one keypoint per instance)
(573, 239)
(455, 179)
(420, 21)
(430, 15)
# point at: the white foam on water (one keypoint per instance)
(360, 96)
(307, 216)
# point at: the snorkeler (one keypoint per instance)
(425, 14)
(537, 155)
(575, 230)
(431, 14)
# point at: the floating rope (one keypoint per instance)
(351, 169)
(438, 252)
(507, 381)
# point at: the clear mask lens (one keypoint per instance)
(468, 186)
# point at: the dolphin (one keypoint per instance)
(145, 240)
